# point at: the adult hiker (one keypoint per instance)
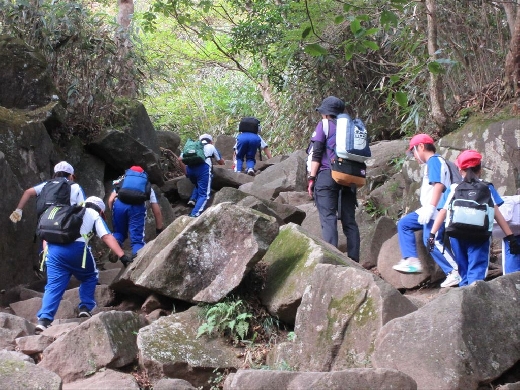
(322, 187)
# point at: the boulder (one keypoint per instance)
(288, 175)
(461, 340)
(353, 379)
(373, 239)
(120, 150)
(291, 260)
(169, 347)
(105, 379)
(18, 371)
(206, 261)
(283, 213)
(25, 81)
(390, 254)
(12, 327)
(106, 340)
(341, 313)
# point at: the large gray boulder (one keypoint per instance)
(18, 371)
(291, 260)
(106, 340)
(284, 213)
(353, 379)
(121, 150)
(461, 340)
(341, 313)
(169, 347)
(288, 175)
(107, 379)
(12, 327)
(206, 261)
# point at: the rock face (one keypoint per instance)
(24, 81)
(169, 347)
(461, 340)
(207, 260)
(291, 260)
(106, 340)
(337, 380)
(340, 316)
(18, 371)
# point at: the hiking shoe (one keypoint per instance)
(452, 280)
(84, 312)
(191, 203)
(43, 323)
(411, 265)
(251, 172)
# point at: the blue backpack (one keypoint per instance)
(135, 188)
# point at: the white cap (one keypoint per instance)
(206, 136)
(97, 201)
(64, 166)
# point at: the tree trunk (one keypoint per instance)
(127, 86)
(265, 89)
(436, 88)
(512, 65)
(126, 10)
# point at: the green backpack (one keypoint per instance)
(193, 153)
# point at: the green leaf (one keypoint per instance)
(372, 31)
(388, 19)
(355, 26)
(349, 50)
(389, 98)
(394, 79)
(347, 7)
(339, 19)
(306, 32)
(370, 45)
(401, 98)
(435, 68)
(315, 50)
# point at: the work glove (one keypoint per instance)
(514, 247)
(425, 214)
(16, 215)
(310, 186)
(431, 243)
(125, 260)
(158, 231)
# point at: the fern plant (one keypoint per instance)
(229, 317)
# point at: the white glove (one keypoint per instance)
(16, 215)
(425, 214)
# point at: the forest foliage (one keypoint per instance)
(199, 66)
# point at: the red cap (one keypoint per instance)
(420, 139)
(468, 159)
(137, 169)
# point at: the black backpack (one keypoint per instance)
(55, 191)
(60, 224)
(249, 124)
(471, 212)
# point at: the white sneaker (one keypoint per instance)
(411, 265)
(452, 280)
(251, 172)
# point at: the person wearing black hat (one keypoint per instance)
(326, 192)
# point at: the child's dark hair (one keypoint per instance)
(472, 173)
(430, 148)
(61, 174)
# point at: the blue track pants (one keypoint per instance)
(63, 261)
(129, 218)
(247, 146)
(472, 258)
(406, 228)
(200, 176)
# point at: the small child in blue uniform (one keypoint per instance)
(248, 142)
(472, 256)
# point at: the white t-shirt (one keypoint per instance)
(92, 219)
(210, 151)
